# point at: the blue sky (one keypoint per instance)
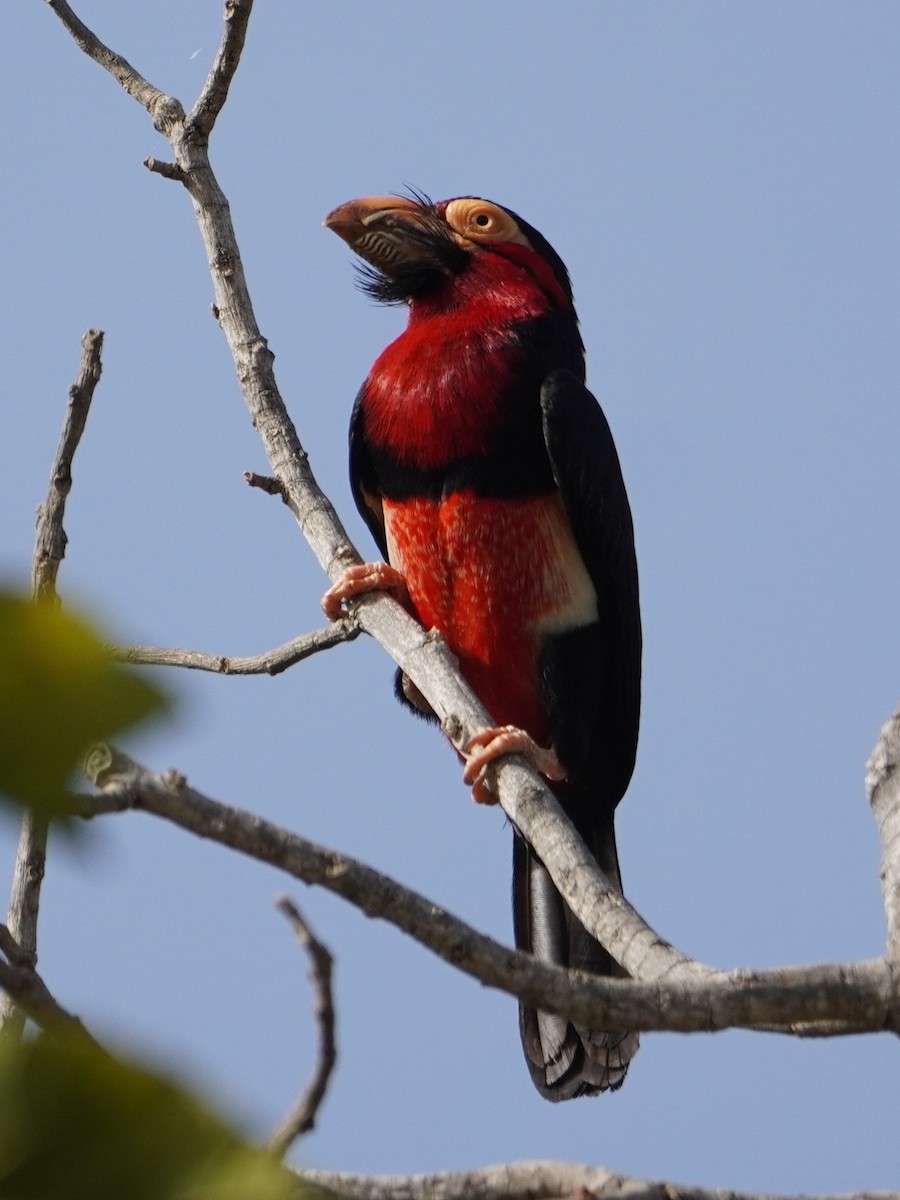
(723, 181)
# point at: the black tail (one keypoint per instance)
(564, 1060)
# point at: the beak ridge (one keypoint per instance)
(349, 220)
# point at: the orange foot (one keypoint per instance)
(364, 577)
(493, 743)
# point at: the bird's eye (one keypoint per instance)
(481, 222)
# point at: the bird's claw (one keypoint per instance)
(492, 743)
(362, 577)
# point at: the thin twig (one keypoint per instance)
(49, 551)
(827, 999)
(302, 1116)
(271, 662)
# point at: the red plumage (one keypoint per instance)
(493, 575)
(434, 395)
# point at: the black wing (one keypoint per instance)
(363, 480)
(593, 675)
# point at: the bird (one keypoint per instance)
(488, 476)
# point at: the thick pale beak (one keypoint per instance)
(404, 241)
(354, 220)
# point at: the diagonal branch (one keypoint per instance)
(826, 999)
(271, 662)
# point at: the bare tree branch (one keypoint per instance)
(162, 108)
(49, 551)
(212, 98)
(50, 537)
(529, 1181)
(302, 1117)
(271, 662)
(22, 984)
(24, 905)
(824, 999)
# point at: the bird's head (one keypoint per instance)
(413, 248)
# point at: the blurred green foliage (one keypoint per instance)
(59, 692)
(77, 1123)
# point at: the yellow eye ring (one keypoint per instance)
(479, 221)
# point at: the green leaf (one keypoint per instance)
(59, 692)
(78, 1124)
